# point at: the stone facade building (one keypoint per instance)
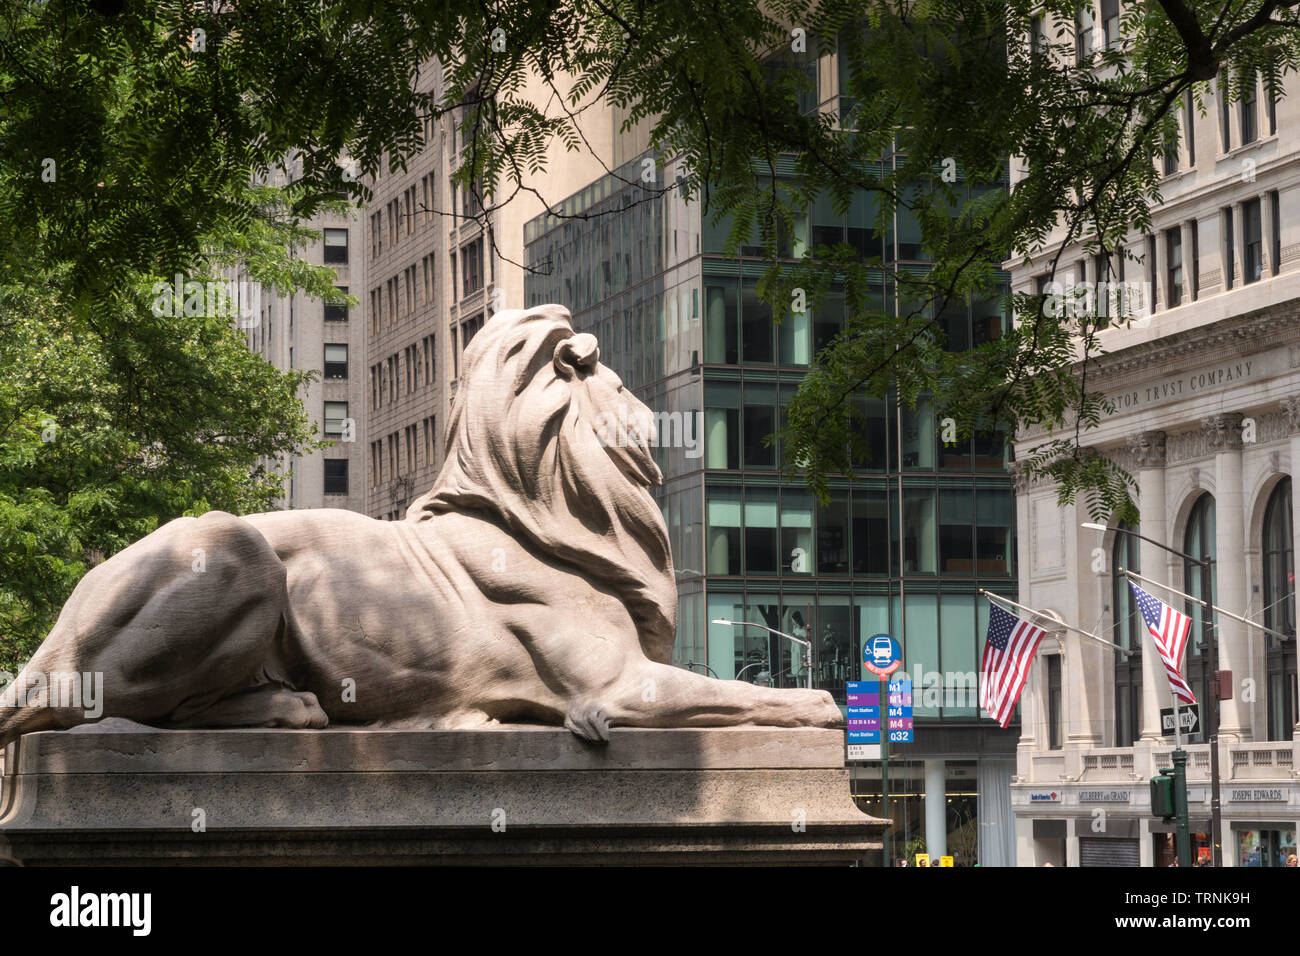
(1206, 416)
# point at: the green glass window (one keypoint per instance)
(871, 544)
(957, 651)
(833, 535)
(994, 530)
(756, 326)
(721, 317)
(724, 531)
(762, 554)
(722, 425)
(759, 423)
(957, 530)
(797, 532)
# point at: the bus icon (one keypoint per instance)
(882, 650)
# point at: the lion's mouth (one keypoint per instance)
(637, 462)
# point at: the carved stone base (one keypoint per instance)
(118, 793)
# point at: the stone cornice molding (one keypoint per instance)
(1239, 335)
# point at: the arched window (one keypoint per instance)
(1279, 610)
(1198, 541)
(1127, 632)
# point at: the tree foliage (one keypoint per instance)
(130, 131)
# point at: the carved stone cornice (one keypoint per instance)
(1238, 335)
(1148, 449)
(1291, 412)
(1224, 431)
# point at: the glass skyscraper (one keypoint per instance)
(683, 325)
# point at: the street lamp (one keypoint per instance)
(704, 665)
(806, 645)
(1180, 755)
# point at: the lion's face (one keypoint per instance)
(622, 424)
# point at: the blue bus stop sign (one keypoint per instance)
(882, 655)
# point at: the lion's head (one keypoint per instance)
(544, 438)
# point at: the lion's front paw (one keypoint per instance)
(588, 721)
(820, 710)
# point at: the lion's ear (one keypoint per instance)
(579, 351)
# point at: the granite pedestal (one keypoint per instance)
(118, 793)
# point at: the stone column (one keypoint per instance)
(1150, 450)
(936, 810)
(1291, 409)
(1265, 236)
(1229, 550)
(1238, 245)
(1162, 268)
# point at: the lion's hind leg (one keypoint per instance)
(267, 705)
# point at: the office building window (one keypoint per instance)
(721, 321)
(468, 328)
(336, 361)
(919, 531)
(1199, 542)
(336, 476)
(1055, 740)
(755, 325)
(1127, 631)
(871, 539)
(1037, 36)
(1229, 250)
(1280, 611)
(454, 277)
(1110, 22)
(759, 422)
(1225, 113)
(1248, 109)
(1252, 241)
(957, 530)
(336, 246)
(1084, 24)
(1153, 277)
(337, 313)
(1170, 154)
(762, 548)
(1275, 207)
(1189, 127)
(1270, 105)
(723, 510)
(722, 425)
(1194, 276)
(336, 414)
(471, 258)
(1174, 265)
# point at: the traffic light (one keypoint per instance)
(1162, 795)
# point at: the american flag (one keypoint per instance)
(1169, 629)
(1008, 652)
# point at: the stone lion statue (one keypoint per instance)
(532, 584)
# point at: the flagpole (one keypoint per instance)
(991, 596)
(1182, 826)
(1213, 607)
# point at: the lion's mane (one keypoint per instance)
(521, 447)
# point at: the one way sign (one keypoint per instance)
(1189, 719)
